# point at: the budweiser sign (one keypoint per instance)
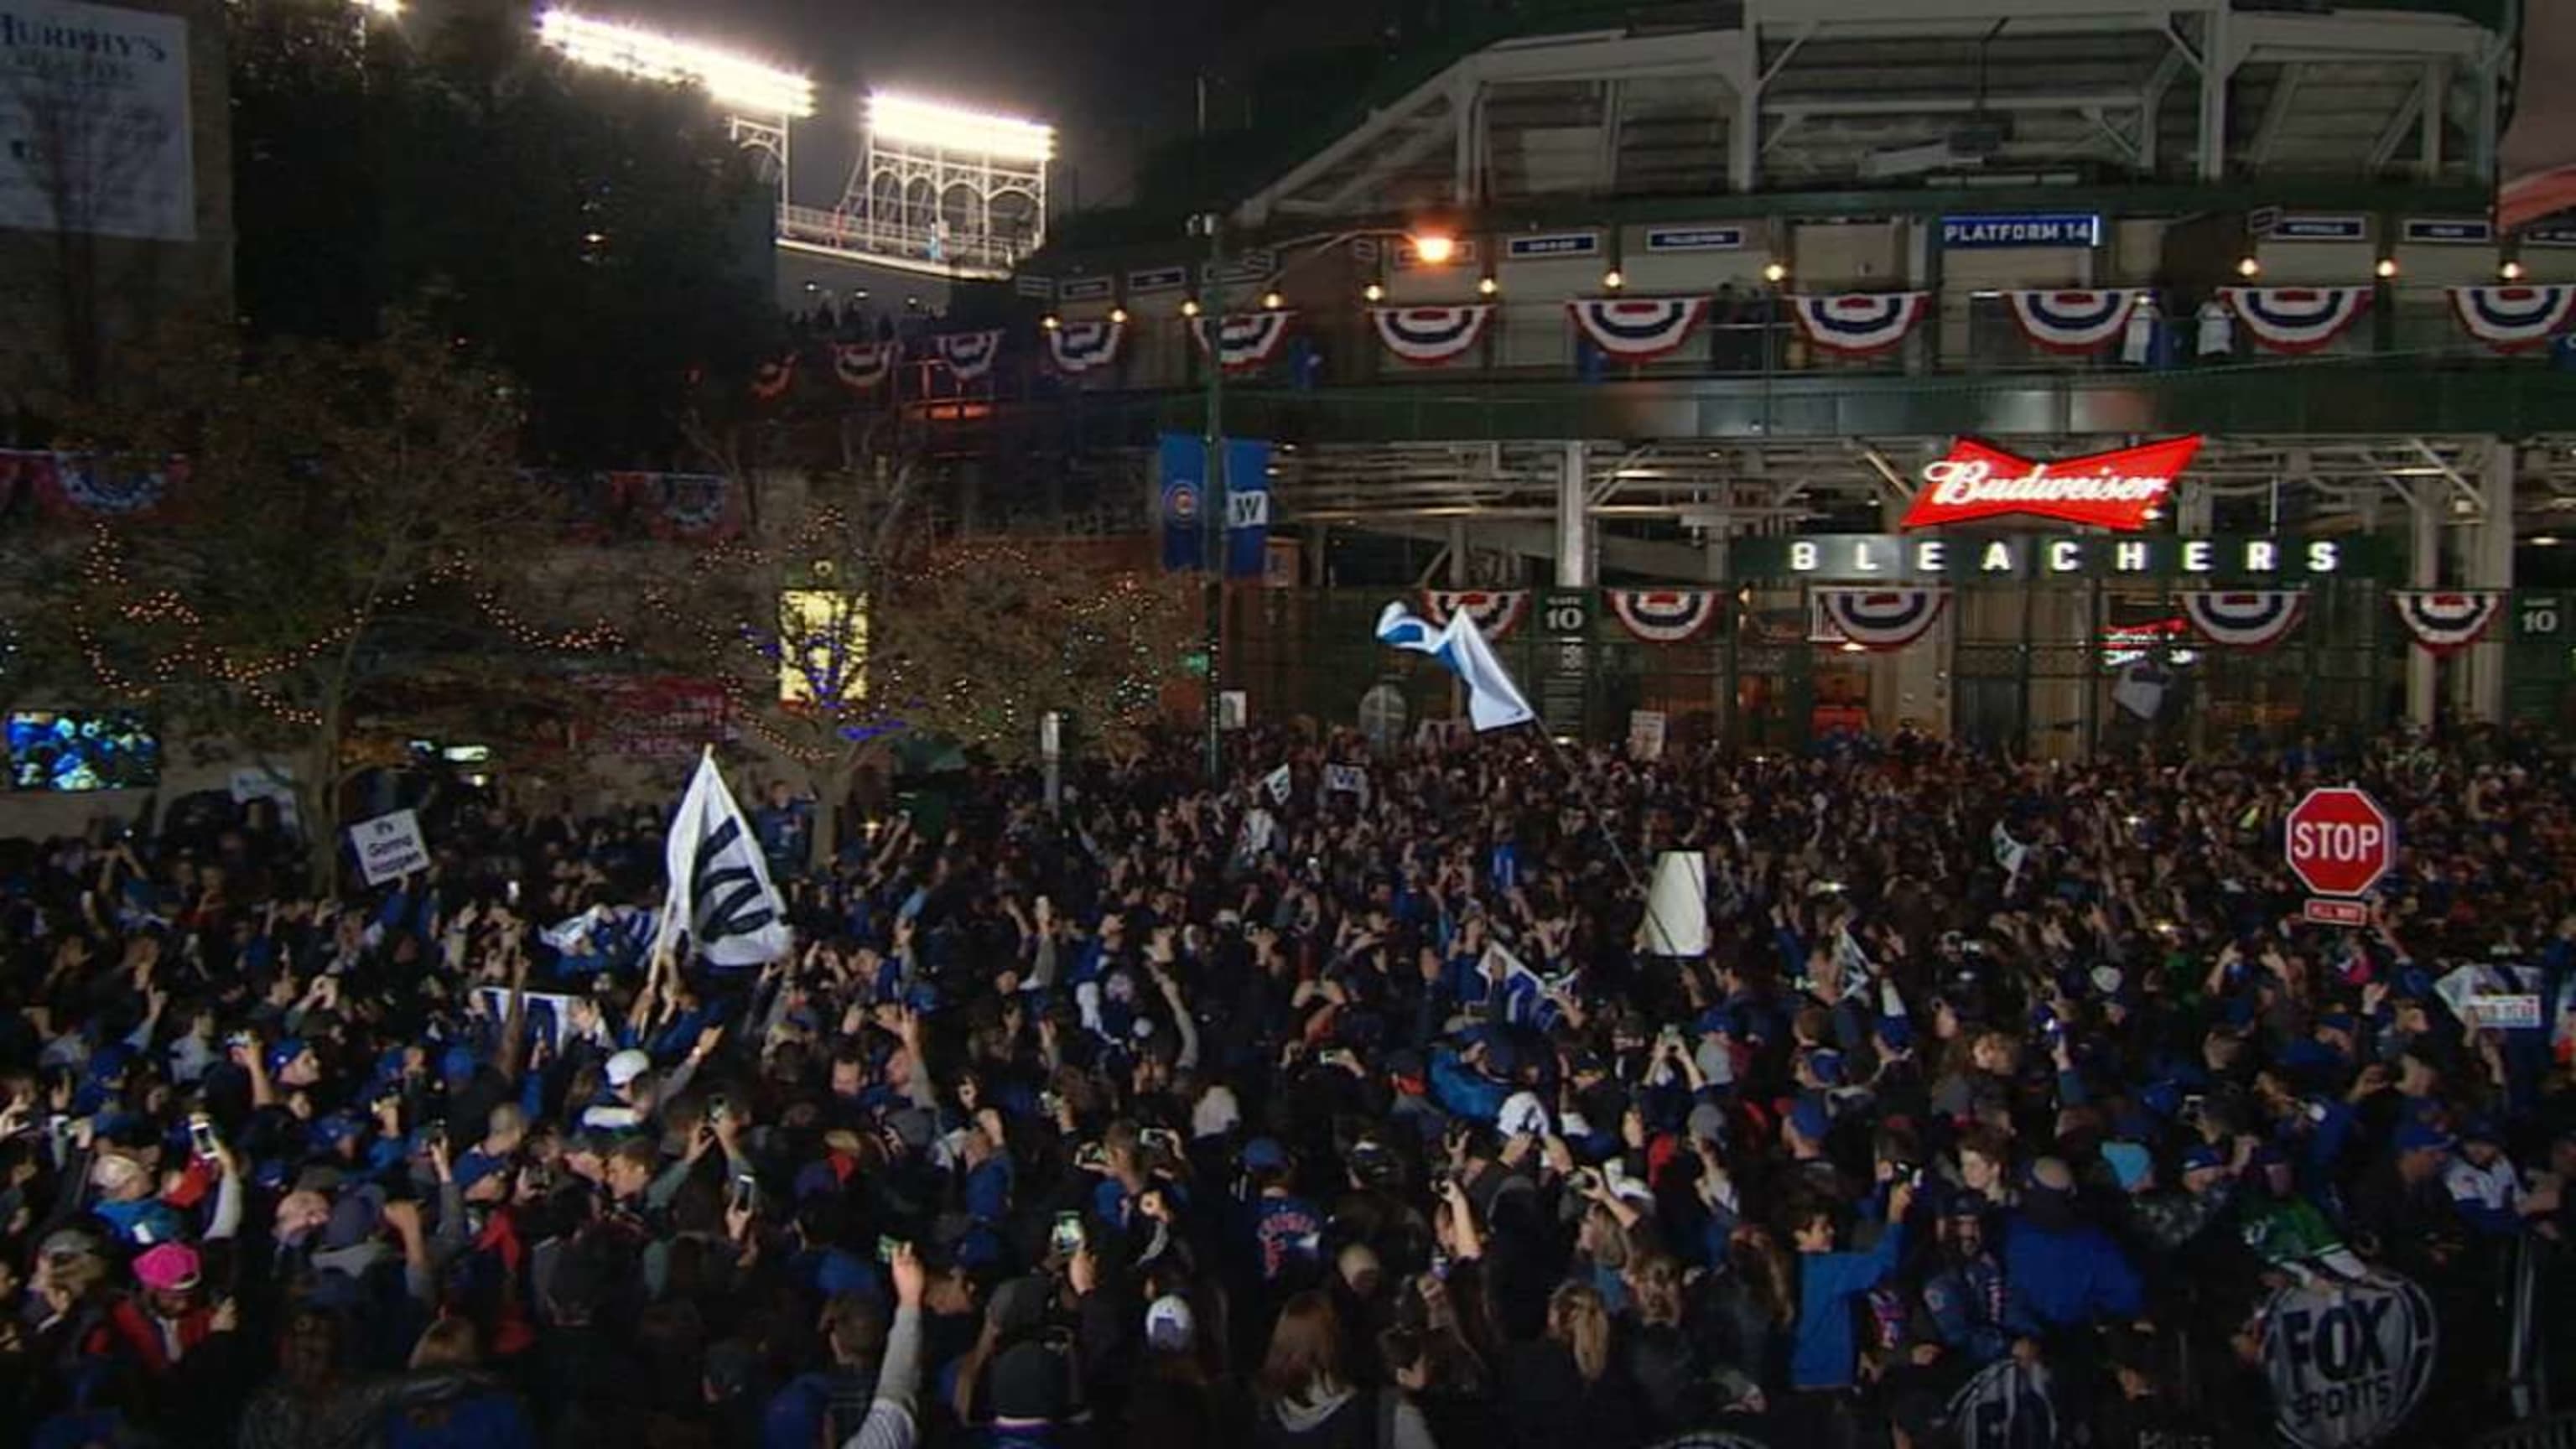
(2113, 490)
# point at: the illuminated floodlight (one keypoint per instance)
(390, 9)
(734, 81)
(908, 120)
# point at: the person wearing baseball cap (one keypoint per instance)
(167, 1324)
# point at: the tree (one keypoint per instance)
(859, 629)
(598, 237)
(346, 517)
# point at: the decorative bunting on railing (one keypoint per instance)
(771, 380)
(63, 484)
(1637, 329)
(1664, 616)
(1496, 611)
(1080, 347)
(1883, 619)
(2512, 319)
(2443, 620)
(864, 366)
(2074, 321)
(682, 507)
(1859, 323)
(2244, 619)
(1244, 340)
(1428, 336)
(969, 355)
(2297, 319)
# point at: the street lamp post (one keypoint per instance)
(1214, 532)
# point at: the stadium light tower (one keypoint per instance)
(760, 101)
(958, 190)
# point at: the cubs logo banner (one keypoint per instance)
(1880, 620)
(2073, 322)
(969, 355)
(1429, 336)
(1857, 324)
(683, 507)
(2513, 319)
(2118, 490)
(2348, 1360)
(1496, 611)
(1638, 329)
(863, 366)
(1183, 462)
(2446, 620)
(2297, 319)
(1080, 347)
(1664, 616)
(2256, 619)
(771, 380)
(1243, 341)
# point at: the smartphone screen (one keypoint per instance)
(1066, 1239)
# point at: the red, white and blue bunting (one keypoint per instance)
(1496, 611)
(771, 380)
(969, 355)
(864, 366)
(1244, 340)
(1079, 347)
(63, 484)
(1664, 616)
(2445, 620)
(1429, 336)
(1883, 619)
(1637, 329)
(2074, 321)
(1859, 323)
(2510, 319)
(2255, 619)
(2297, 319)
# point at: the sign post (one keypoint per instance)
(2339, 842)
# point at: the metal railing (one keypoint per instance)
(904, 244)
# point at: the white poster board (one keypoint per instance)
(1646, 734)
(94, 135)
(1677, 906)
(389, 846)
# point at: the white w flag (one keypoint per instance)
(1493, 701)
(720, 892)
(2009, 853)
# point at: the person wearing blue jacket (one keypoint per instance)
(2064, 1272)
(1823, 1351)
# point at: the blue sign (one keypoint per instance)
(1158, 279)
(1554, 245)
(1184, 491)
(1247, 503)
(1042, 288)
(2549, 236)
(1695, 239)
(1083, 289)
(2321, 228)
(2033, 229)
(2449, 231)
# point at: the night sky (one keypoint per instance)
(1112, 75)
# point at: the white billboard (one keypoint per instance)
(94, 121)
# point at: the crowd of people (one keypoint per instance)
(1316, 1118)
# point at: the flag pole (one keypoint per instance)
(1618, 852)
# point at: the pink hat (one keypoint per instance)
(169, 1268)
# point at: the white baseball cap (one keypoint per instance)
(626, 1066)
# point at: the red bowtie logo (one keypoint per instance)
(2117, 490)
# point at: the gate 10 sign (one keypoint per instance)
(2339, 842)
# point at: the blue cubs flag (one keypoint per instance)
(1493, 701)
(1185, 499)
(1184, 495)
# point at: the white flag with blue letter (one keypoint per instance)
(720, 892)
(1493, 701)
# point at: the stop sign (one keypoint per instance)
(2339, 841)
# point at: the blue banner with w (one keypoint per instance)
(1185, 497)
